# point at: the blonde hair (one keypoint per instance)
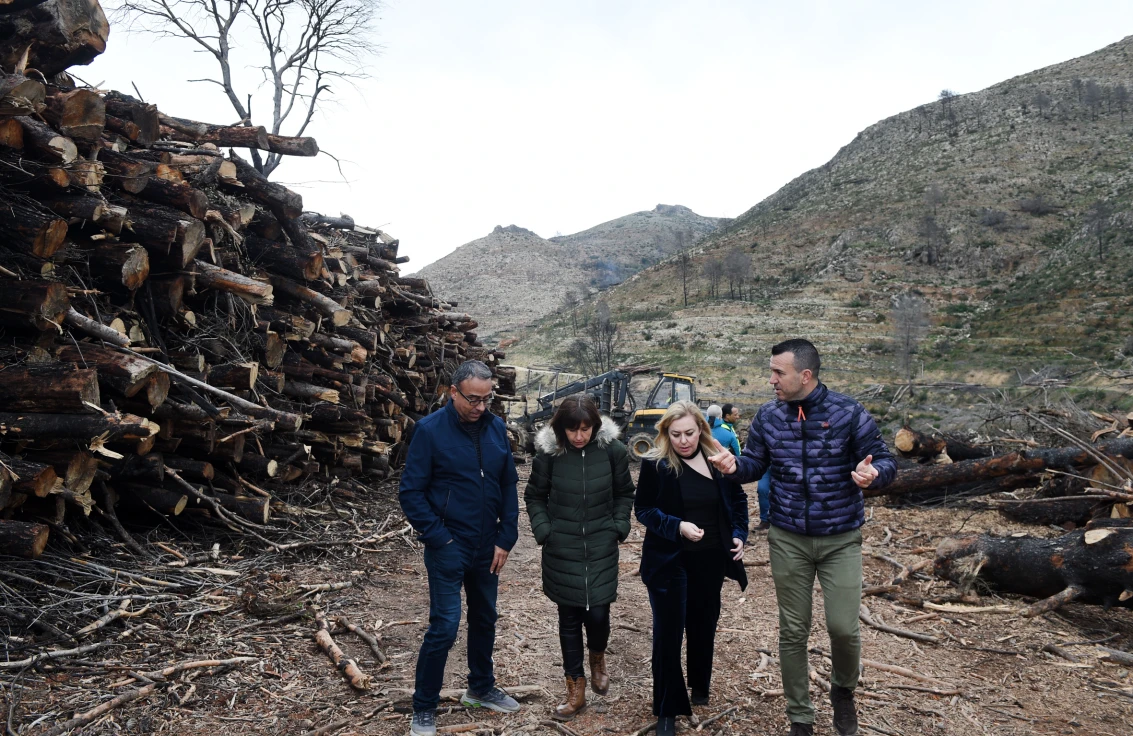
(663, 449)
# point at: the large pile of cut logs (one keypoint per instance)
(178, 334)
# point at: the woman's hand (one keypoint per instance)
(738, 550)
(691, 531)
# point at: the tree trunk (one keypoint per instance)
(77, 469)
(127, 265)
(143, 117)
(30, 477)
(19, 171)
(80, 113)
(20, 95)
(326, 306)
(45, 141)
(15, 426)
(64, 33)
(223, 136)
(30, 229)
(1094, 566)
(221, 279)
(275, 197)
(1023, 462)
(911, 443)
(170, 237)
(159, 499)
(38, 304)
(255, 509)
(57, 388)
(22, 539)
(284, 259)
(293, 146)
(121, 371)
(240, 377)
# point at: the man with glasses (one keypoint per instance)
(458, 490)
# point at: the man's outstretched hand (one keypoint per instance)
(865, 473)
(724, 460)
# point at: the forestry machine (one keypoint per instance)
(611, 391)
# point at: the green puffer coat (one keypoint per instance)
(579, 502)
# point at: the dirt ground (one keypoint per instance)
(1005, 683)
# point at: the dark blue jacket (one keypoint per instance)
(450, 488)
(811, 446)
(725, 435)
(658, 506)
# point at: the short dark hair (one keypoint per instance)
(470, 369)
(806, 354)
(727, 409)
(573, 413)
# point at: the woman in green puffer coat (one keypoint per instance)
(579, 498)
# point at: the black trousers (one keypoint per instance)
(596, 619)
(688, 607)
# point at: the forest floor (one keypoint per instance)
(987, 675)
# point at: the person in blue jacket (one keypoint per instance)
(724, 434)
(822, 449)
(458, 490)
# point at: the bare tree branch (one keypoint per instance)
(303, 46)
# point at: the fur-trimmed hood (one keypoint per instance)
(547, 442)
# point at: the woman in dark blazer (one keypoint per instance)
(696, 526)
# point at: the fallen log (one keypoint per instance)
(221, 279)
(63, 33)
(1018, 463)
(60, 388)
(20, 95)
(38, 304)
(22, 539)
(110, 427)
(911, 443)
(80, 113)
(45, 141)
(1094, 566)
(30, 229)
(326, 306)
(123, 372)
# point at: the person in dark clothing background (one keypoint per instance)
(579, 499)
(696, 526)
(822, 449)
(458, 490)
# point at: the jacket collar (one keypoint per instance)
(813, 399)
(547, 442)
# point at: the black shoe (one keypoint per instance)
(699, 698)
(763, 526)
(801, 729)
(666, 726)
(845, 713)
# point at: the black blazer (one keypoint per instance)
(658, 506)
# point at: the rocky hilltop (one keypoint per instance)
(1007, 210)
(512, 277)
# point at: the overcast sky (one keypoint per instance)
(557, 116)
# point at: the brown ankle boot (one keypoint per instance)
(575, 700)
(599, 679)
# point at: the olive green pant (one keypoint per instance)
(837, 561)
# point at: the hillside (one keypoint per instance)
(1008, 209)
(512, 277)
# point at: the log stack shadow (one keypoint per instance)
(170, 317)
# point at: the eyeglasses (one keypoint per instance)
(477, 400)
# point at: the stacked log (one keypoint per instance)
(179, 334)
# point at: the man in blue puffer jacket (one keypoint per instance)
(822, 449)
(458, 490)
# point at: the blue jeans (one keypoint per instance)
(763, 490)
(450, 567)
